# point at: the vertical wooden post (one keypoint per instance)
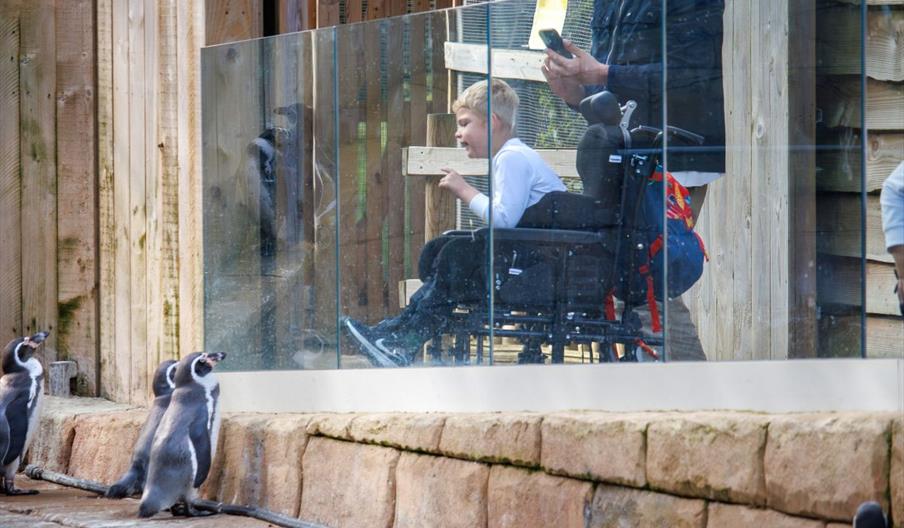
(38, 161)
(10, 180)
(439, 205)
(802, 322)
(76, 186)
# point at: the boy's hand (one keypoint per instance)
(456, 184)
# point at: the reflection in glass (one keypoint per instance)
(322, 203)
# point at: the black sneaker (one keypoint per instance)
(374, 345)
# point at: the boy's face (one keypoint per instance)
(472, 133)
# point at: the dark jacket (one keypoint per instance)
(627, 35)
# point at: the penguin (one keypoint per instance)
(133, 480)
(186, 440)
(21, 389)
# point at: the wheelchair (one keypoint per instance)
(555, 276)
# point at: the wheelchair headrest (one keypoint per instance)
(601, 107)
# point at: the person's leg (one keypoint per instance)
(681, 334)
(698, 196)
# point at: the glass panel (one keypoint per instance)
(784, 225)
(264, 193)
(324, 213)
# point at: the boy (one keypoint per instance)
(520, 179)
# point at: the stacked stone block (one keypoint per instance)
(581, 469)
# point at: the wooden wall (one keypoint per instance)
(849, 216)
(756, 299)
(48, 210)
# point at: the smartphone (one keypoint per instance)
(553, 41)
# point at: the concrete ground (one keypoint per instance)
(58, 506)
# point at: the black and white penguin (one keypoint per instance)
(21, 388)
(186, 439)
(132, 481)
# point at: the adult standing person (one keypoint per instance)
(892, 200)
(626, 58)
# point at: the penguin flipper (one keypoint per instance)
(200, 441)
(16, 418)
(4, 434)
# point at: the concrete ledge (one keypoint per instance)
(825, 385)
(564, 469)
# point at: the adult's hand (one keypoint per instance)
(567, 77)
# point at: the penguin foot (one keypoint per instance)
(183, 509)
(12, 491)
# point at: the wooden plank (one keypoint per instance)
(840, 98)
(137, 224)
(325, 294)
(10, 181)
(839, 230)
(417, 119)
(875, 2)
(770, 189)
(439, 208)
(110, 386)
(165, 227)
(507, 64)
(376, 179)
(309, 174)
(328, 13)
(296, 15)
(190, 308)
(801, 217)
(398, 133)
(37, 78)
(840, 283)
(352, 224)
(442, 29)
(838, 169)
(77, 185)
(427, 161)
(122, 117)
(376, 9)
(838, 51)
(232, 20)
(841, 336)
(884, 336)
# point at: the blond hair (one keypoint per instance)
(505, 101)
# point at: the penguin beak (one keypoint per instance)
(213, 359)
(36, 340)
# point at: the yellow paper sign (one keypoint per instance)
(549, 14)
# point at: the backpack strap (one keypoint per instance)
(655, 322)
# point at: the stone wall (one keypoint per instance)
(581, 469)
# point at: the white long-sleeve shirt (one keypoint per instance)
(520, 179)
(892, 200)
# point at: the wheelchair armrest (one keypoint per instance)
(459, 232)
(553, 236)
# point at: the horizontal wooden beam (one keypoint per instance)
(838, 52)
(840, 283)
(507, 64)
(839, 169)
(838, 229)
(839, 98)
(429, 161)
